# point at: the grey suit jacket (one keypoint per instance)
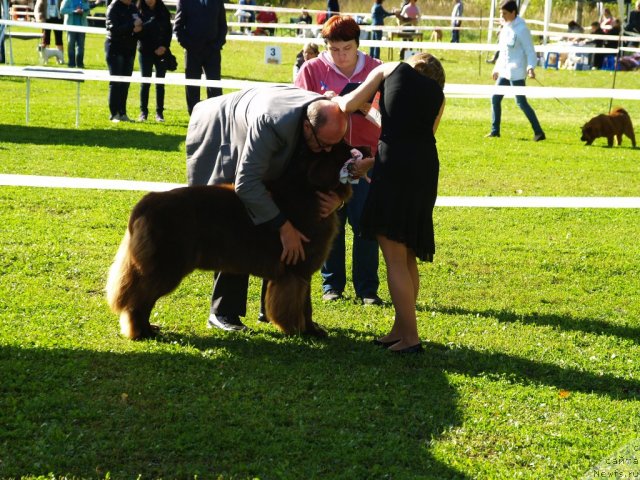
(246, 138)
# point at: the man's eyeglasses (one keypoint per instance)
(322, 146)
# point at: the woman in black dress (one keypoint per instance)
(404, 183)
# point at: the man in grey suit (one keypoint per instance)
(247, 138)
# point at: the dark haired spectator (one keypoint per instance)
(333, 8)
(614, 31)
(633, 23)
(154, 42)
(598, 58)
(123, 24)
(201, 28)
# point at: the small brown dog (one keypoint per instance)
(615, 124)
(172, 233)
(436, 35)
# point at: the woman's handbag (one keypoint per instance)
(169, 60)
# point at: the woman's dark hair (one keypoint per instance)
(509, 6)
(142, 4)
(341, 28)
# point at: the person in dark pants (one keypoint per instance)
(201, 28)
(342, 64)
(123, 24)
(516, 62)
(48, 11)
(378, 14)
(247, 138)
(154, 41)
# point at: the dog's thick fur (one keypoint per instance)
(615, 124)
(172, 233)
(436, 35)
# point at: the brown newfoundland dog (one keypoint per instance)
(172, 233)
(615, 124)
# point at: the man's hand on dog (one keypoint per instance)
(329, 203)
(292, 248)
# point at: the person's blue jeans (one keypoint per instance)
(364, 260)
(121, 64)
(455, 35)
(521, 101)
(375, 51)
(75, 49)
(147, 63)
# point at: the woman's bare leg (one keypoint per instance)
(402, 279)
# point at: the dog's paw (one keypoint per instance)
(150, 331)
(315, 330)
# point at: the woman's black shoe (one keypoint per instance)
(417, 348)
(382, 344)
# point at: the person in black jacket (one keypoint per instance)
(123, 25)
(154, 42)
(201, 28)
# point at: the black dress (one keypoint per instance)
(404, 182)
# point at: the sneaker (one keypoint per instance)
(263, 318)
(230, 323)
(539, 137)
(372, 300)
(492, 135)
(331, 296)
(142, 117)
(124, 118)
(159, 118)
(115, 118)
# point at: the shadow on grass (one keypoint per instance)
(561, 322)
(239, 407)
(95, 137)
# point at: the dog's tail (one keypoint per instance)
(618, 111)
(120, 276)
(128, 265)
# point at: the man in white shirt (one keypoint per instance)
(516, 61)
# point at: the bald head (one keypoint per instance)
(327, 124)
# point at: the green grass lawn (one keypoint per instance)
(530, 316)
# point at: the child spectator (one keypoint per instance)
(309, 51)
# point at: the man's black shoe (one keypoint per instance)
(372, 300)
(538, 137)
(263, 318)
(229, 323)
(492, 135)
